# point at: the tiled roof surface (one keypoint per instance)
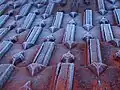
(59, 44)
